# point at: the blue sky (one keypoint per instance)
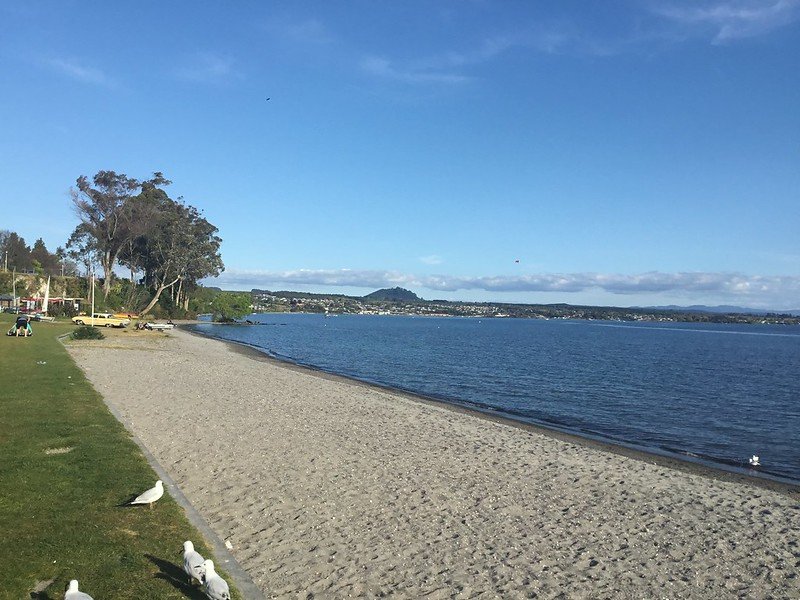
(624, 152)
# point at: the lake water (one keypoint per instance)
(720, 393)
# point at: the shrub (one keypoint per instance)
(62, 310)
(85, 332)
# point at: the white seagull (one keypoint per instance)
(150, 496)
(73, 593)
(193, 563)
(215, 586)
(754, 461)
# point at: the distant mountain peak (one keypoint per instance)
(395, 294)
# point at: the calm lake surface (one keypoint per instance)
(716, 393)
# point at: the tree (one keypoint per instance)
(48, 262)
(68, 266)
(15, 251)
(180, 248)
(82, 249)
(227, 306)
(4, 235)
(108, 210)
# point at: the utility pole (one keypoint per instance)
(92, 313)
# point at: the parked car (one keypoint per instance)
(11, 309)
(101, 320)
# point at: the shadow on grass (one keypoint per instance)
(127, 503)
(39, 593)
(174, 575)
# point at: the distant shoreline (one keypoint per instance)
(399, 301)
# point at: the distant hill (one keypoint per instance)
(724, 310)
(290, 294)
(396, 294)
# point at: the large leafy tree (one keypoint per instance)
(179, 248)
(109, 208)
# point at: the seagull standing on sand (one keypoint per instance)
(151, 495)
(73, 593)
(215, 587)
(193, 563)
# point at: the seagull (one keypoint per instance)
(150, 496)
(193, 563)
(73, 593)
(754, 461)
(215, 586)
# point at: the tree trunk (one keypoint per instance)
(108, 260)
(155, 298)
(108, 266)
(179, 293)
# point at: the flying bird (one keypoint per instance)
(73, 593)
(516, 261)
(215, 586)
(150, 496)
(193, 563)
(754, 461)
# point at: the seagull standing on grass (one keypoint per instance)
(193, 563)
(73, 593)
(151, 495)
(215, 587)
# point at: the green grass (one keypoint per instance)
(59, 513)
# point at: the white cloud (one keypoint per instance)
(305, 32)
(207, 67)
(733, 19)
(383, 68)
(446, 68)
(758, 289)
(79, 72)
(432, 259)
(311, 31)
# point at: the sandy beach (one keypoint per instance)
(329, 488)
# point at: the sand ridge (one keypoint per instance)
(332, 489)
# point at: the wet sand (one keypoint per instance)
(331, 488)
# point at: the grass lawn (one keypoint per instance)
(65, 465)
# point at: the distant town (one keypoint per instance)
(399, 301)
